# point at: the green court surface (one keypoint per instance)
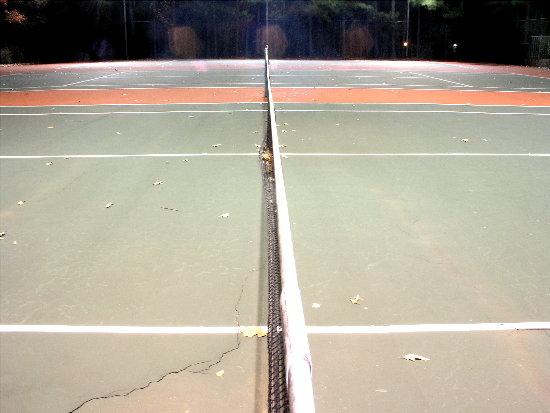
(435, 218)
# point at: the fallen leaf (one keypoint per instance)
(220, 373)
(50, 127)
(49, 163)
(186, 160)
(217, 145)
(118, 133)
(465, 140)
(191, 116)
(414, 357)
(381, 390)
(316, 305)
(254, 331)
(225, 215)
(282, 146)
(285, 123)
(356, 299)
(158, 183)
(284, 156)
(109, 205)
(21, 203)
(14, 242)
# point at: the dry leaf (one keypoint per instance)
(217, 145)
(225, 215)
(14, 242)
(191, 116)
(50, 127)
(285, 123)
(49, 163)
(21, 203)
(158, 183)
(465, 140)
(414, 357)
(109, 205)
(284, 156)
(220, 373)
(356, 299)
(381, 390)
(254, 331)
(118, 133)
(316, 305)
(186, 160)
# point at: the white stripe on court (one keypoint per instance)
(441, 80)
(95, 78)
(413, 111)
(420, 154)
(146, 155)
(305, 154)
(388, 329)
(133, 112)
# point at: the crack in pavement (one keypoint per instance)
(209, 363)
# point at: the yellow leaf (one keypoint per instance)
(254, 331)
(356, 299)
(220, 373)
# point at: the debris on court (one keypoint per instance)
(356, 299)
(224, 215)
(170, 209)
(216, 145)
(2, 235)
(414, 357)
(257, 331)
(50, 127)
(315, 305)
(191, 116)
(158, 183)
(465, 140)
(118, 133)
(49, 163)
(109, 205)
(220, 373)
(186, 160)
(21, 203)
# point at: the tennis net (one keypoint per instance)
(290, 386)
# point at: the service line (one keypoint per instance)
(388, 329)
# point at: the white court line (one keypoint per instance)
(133, 112)
(421, 154)
(90, 80)
(412, 111)
(388, 329)
(183, 155)
(442, 80)
(145, 155)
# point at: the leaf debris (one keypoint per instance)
(414, 357)
(254, 331)
(224, 215)
(21, 203)
(158, 183)
(216, 145)
(109, 205)
(220, 373)
(356, 299)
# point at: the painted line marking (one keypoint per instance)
(132, 112)
(176, 155)
(422, 154)
(91, 80)
(442, 80)
(147, 155)
(389, 329)
(413, 111)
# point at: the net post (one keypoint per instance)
(297, 357)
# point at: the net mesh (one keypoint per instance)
(278, 401)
